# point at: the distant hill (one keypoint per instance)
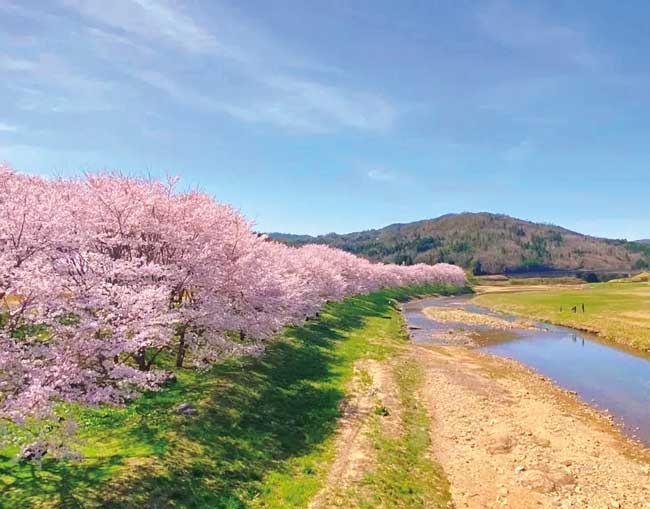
(643, 241)
(487, 243)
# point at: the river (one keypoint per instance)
(604, 375)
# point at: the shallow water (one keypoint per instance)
(604, 375)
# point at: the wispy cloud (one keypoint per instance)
(260, 80)
(106, 43)
(518, 25)
(286, 102)
(51, 84)
(217, 62)
(186, 95)
(328, 103)
(149, 19)
(222, 32)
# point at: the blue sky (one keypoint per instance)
(340, 115)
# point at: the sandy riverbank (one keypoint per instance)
(507, 436)
(459, 315)
(503, 435)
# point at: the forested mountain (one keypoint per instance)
(487, 243)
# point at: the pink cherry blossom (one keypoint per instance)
(102, 274)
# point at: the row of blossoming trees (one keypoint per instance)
(101, 275)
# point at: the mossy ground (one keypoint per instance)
(263, 436)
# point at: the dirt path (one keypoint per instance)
(506, 436)
(371, 388)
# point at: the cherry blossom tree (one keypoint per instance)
(100, 275)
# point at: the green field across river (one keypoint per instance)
(617, 311)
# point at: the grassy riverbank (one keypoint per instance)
(263, 437)
(619, 312)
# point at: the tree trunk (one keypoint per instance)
(141, 359)
(182, 347)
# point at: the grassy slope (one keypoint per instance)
(616, 311)
(263, 436)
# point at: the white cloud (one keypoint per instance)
(381, 175)
(8, 128)
(519, 152)
(11, 64)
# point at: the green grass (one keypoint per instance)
(619, 312)
(263, 437)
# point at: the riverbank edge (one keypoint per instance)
(616, 425)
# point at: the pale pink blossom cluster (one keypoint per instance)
(101, 275)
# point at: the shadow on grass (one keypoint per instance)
(254, 414)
